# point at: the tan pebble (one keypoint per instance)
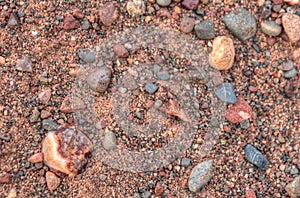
(12, 193)
(2, 60)
(291, 25)
(250, 194)
(52, 181)
(36, 158)
(223, 53)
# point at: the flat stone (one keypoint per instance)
(241, 24)
(71, 104)
(163, 75)
(255, 157)
(270, 28)
(291, 25)
(200, 175)
(36, 158)
(49, 125)
(225, 93)
(205, 30)
(109, 141)
(293, 188)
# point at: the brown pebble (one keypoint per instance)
(45, 96)
(239, 111)
(108, 13)
(291, 25)
(70, 22)
(78, 14)
(45, 114)
(2, 60)
(121, 51)
(36, 158)
(5, 179)
(187, 24)
(271, 41)
(190, 4)
(52, 181)
(296, 54)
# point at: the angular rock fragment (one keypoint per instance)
(99, 79)
(52, 181)
(239, 112)
(255, 157)
(200, 175)
(225, 93)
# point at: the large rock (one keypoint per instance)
(99, 79)
(293, 188)
(223, 53)
(255, 157)
(200, 175)
(241, 24)
(291, 25)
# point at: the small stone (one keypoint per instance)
(200, 175)
(78, 14)
(289, 65)
(129, 82)
(230, 2)
(270, 28)
(265, 12)
(294, 171)
(151, 88)
(163, 75)
(121, 51)
(290, 74)
(70, 22)
(5, 178)
(187, 24)
(13, 20)
(290, 89)
(45, 96)
(225, 93)
(66, 150)
(223, 53)
(86, 24)
(293, 2)
(190, 4)
(34, 115)
(36, 158)
(241, 24)
(49, 125)
(163, 2)
(52, 181)
(99, 79)
(276, 8)
(185, 162)
(296, 54)
(245, 124)
(12, 193)
(159, 189)
(136, 7)
(45, 114)
(205, 30)
(276, 2)
(24, 64)
(2, 60)
(255, 157)
(71, 104)
(291, 25)
(109, 141)
(250, 194)
(239, 112)
(293, 188)
(86, 55)
(146, 194)
(108, 14)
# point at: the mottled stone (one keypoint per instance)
(70, 22)
(225, 93)
(190, 4)
(121, 51)
(187, 24)
(270, 28)
(136, 7)
(291, 25)
(99, 79)
(108, 13)
(52, 181)
(293, 188)
(239, 112)
(255, 157)
(13, 20)
(205, 30)
(49, 125)
(86, 55)
(200, 175)
(24, 64)
(291, 73)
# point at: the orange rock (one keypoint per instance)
(52, 181)
(239, 111)
(222, 55)
(36, 158)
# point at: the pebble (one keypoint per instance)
(5, 178)
(86, 24)
(289, 65)
(223, 53)
(294, 171)
(225, 93)
(146, 194)
(52, 181)
(86, 55)
(70, 22)
(291, 25)
(120, 51)
(13, 20)
(109, 141)
(136, 7)
(187, 24)
(250, 194)
(270, 28)
(293, 2)
(200, 175)
(245, 124)
(205, 30)
(12, 193)
(265, 12)
(49, 125)
(45, 96)
(185, 162)
(255, 157)
(99, 79)
(239, 112)
(293, 188)
(290, 74)
(2, 60)
(36, 158)
(163, 2)
(190, 4)
(108, 13)
(24, 65)
(73, 144)
(45, 114)
(71, 104)
(159, 189)
(242, 25)
(163, 75)
(151, 88)
(34, 115)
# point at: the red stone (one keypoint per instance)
(5, 179)
(239, 111)
(70, 22)
(250, 194)
(108, 14)
(121, 51)
(36, 158)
